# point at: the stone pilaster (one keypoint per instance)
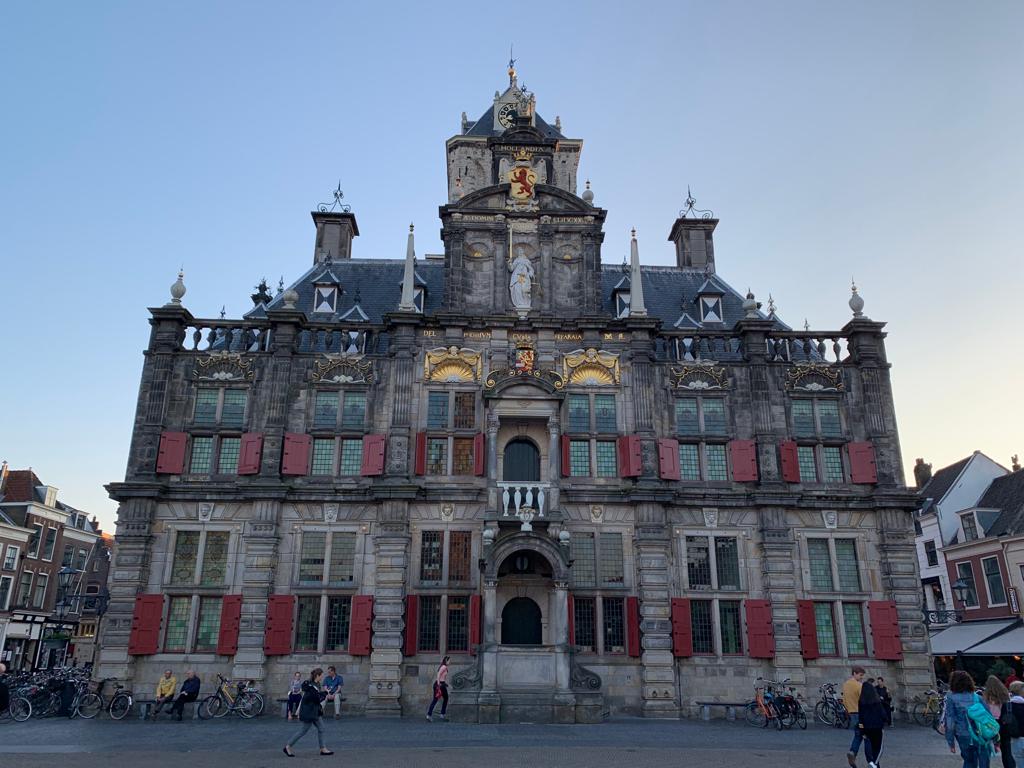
(259, 556)
(391, 544)
(779, 581)
(652, 551)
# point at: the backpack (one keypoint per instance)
(984, 727)
(1008, 725)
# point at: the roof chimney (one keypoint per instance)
(334, 233)
(694, 244)
(922, 473)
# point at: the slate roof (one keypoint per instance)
(485, 126)
(20, 486)
(943, 480)
(1006, 494)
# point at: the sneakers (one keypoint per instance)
(430, 719)
(872, 765)
(444, 717)
(851, 759)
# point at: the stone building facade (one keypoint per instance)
(596, 487)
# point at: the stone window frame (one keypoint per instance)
(701, 434)
(445, 582)
(218, 419)
(711, 534)
(716, 599)
(323, 614)
(602, 589)
(450, 432)
(594, 435)
(444, 611)
(326, 585)
(818, 441)
(215, 453)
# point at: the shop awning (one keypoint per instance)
(1007, 644)
(963, 637)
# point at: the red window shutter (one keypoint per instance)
(571, 604)
(170, 459)
(862, 462)
(566, 467)
(295, 458)
(682, 631)
(145, 636)
(230, 621)
(250, 454)
(277, 637)
(480, 454)
(412, 624)
(743, 455)
(630, 462)
(633, 626)
(474, 623)
(760, 633)
(373, 455)
(668, 459)
(808, 629)
(885, 630)
(360, 635)
(789, 462)
(421, 453)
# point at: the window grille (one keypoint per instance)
(323, 457)
(612, 572)
(584, 624)
(209, 624)
(700, 624)
(698, 562)
(465, 410)
(311, 559)
(825, 628)
(430, 623)
(215, 558)
(177, 624)
(227, 459)
(459, 556)
(689, 461)
(202, 453)
(579, 458)
(730, 627)
(437, 456)
(808, 468)
(351, 457)
(607, 459)
(716, 462)
(820, 562)
(458, 624)
(307, 624)
(437, 410)
(832, 463)
(430, 556)
(462, 456)
(727, 563)
(584, 567)
(614, 625)
(339, 613)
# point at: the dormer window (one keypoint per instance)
(970, 527)
(711, 309)
(325, 298)
(622, 304)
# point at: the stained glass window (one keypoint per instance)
(826, 630)
(717, 468)
(689, 461)
(832, 463)
(177, 624)
(820, 561)
(202, 455)
(462, 456)
(808, 468)
(215, 558)
(828, 418)
(853, 623)
(430, 623)
(579, 458)
(186, 549)
(459, 556)
(437, 410)
(323, 457)
(307, 624)
(208, 626)
(437, 456)
(227, 459)
(604, 414)
(311, 558)
(607, 459)
(846, 564)
(465, 410)
(351, 457)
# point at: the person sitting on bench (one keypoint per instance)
(164, 692)
(332, 684)
(189, 692)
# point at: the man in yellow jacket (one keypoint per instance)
(165, 688)
(851, 700)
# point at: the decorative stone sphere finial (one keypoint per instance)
(750, 305)
(856, 302)
(178, 289)
(564, 537)
(290, 297)
(588, 194)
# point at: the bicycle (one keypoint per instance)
(763, 709)
(243, 701)
(791, 712)
(927, 711)
(830, 710)
(92, 703)
(19, 709)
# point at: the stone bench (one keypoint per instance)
(730, 708)
(147, 705)
(284, 706)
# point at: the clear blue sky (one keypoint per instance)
(875, 139)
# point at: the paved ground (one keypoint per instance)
(368, 743)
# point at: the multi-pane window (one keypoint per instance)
(25, 588)
(614, 624)
(68, 559)
(846, 565)
(350, 405)
(931, 554)
(853, 625)
(607, 459)
(579, 458)
(833, 562)
(437, 456)
(712, 566)
(454, 415)
(689, 461)
(208, 624)
(233, 410)
(208, 449)
(201, 462)
(970, 526)
(429, 623)
(430, 556)
(701, 627)
(832, 463)
(312, 557)
(605, 420)
(343, 558)
(814, 417)
(715, 465)
(33, 542)
(698, 562)
(11, 558)
(186, 550)
(5, 591)
(227, 461)
(584, 555)
(353, 413)
(223, 406)
(437, 410)
(717, 469)
(579, 413)
(458, 623)
(177, 624)
(323, 457)
(339, 614)
(994, 580)
(459, 556)
(208, 550)
(727, 562)
(825, 629)
(808, 465)
(611, 560)
(584, 624)
(462, 456)
(965, 573)
(307, 624)
(351, 462)
(701, 416)
(465, 410)
(325, 410)
(205, 411)
(42, 581)
(730, 626)
(215, 558)
(820, 562)
(803, 418)
(50, 543)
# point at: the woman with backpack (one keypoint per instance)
(440, 690)
(871, 721)
(969, 724)
(310, 711)
(997, 698)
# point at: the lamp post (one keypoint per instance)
(960, 589)
(65, 601)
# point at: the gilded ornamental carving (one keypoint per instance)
(813, 377)
(591, 367)
(699, 376)
(224, 366)
(452, 364)
(343, 369)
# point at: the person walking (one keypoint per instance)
(997, 699)
(310, 711)
(959, 731)
(294, 695)
(1017, 707)
(332, 685)
(871, 719)
(164, 692)
(189, 692)
(440, 689)
(886, 697)
(851, 700)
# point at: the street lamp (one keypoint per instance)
(960, 589)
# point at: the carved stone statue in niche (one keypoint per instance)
(520, 284)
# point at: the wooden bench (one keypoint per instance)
(284, 706)
(730, 708)
(147, 705)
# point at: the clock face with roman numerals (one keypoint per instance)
(506, 114)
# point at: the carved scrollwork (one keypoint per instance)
(495, 380)
(812, 377)
(699, 376)
(583, 679)
(468, 678)
(591, 367)
(343, 369)
(224, 366)
(452, 364)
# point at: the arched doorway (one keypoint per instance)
(521, 461)
(521, 622)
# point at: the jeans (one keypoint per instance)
(1017, 748)
(444, 701)
(973, 756)
(294, 699)
(858, 735)
(1006, 752)
(337, 703)
(305, 729)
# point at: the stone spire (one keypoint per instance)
(408, 302)
(637, 308)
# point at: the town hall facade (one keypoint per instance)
(598, 488)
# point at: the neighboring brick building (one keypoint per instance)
(595, 486)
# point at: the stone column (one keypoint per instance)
(392, 556)
(490, 611)
(493, 422)
(554, 460)
(652, 547)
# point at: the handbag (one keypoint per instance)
(437, 690)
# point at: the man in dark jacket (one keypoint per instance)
(189, 692)
(886, 697)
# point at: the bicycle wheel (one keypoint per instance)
(258, 703)
(89, 706)
(921, 714)
(824, 713)
(787, 715)
(212, 706)
(754, 714)
(801, 720)
(245, 704)
(842, 717)
(20, 709)
(120, 706)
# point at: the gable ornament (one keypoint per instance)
(343, 369)
(591, 367)
(452, 364)
(813, 377)
(699, 376)
(224, 366)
